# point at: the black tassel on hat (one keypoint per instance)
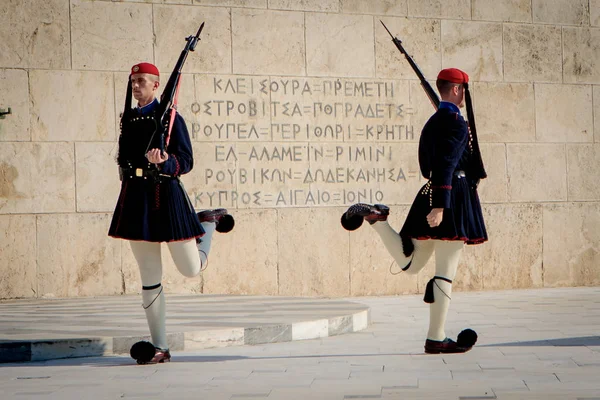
(477, 171)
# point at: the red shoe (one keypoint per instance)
(446, 346)
(161, 356)
(144, 352)
(219, 216)
(371, 213)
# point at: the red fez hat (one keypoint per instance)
(145, 68)
(453, 75)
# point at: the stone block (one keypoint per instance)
(76, 257)
(596, 95)
(340, 325)
(339, 110)
(339, 45)
(398, 175)
(421, 39)
(18, 264)
(512, 258)
(81, 109)
(502, 10)
(581, 55)
(253, 48)
(70, 348)
(232, 108)
(361, 320)
(571, 250)
(332, 6)
(251, 268)
(595, 12)
(378, 7)
(563, 113)
(37, 178)
(310, 329)
(494, 189)
(233, 3)
(561, 12)
(14, 86)
(372, 267)
(213, 338)
(474, 47)
(538, 172)
(215, 170)
(97, 177)
(268, 334)
(444, 9)
(308, 240)
(158, 1)
(504, 112)
(532, 53)
(274, 170)
(34, 34)
(583, 166)
(172, 24)
(104, 35)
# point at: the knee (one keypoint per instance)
(191, 272)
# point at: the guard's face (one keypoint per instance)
(144, 87)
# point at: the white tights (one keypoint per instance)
(190, 258)
(447, 256)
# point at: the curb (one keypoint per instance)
(50, 349)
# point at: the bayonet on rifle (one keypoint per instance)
(433, 97)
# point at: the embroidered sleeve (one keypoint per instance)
(181, 157)
(449, 146)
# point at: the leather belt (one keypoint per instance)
(130, 173)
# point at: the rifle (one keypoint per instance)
(479, 172)
(165, 112)
(433, 97)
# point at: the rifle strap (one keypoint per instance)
(173, 111)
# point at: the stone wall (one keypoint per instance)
(297, 109)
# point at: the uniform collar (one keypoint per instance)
(148, 108)
(450, 106)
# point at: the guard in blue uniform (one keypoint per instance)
(446, 212)
(153, 206)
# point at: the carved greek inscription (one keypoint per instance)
(297, 142)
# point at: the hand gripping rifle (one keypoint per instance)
(165, 112)
(479, 172)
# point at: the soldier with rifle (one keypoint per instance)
(446, 212)
(153, 207)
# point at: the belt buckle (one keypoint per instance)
(139, 172)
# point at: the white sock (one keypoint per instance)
(204, 245)
(154, 306)
(447, 256)
(392, 242)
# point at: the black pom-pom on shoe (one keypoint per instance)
(142, 352)
(351, 223)
(467, 338)
(225, 224)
